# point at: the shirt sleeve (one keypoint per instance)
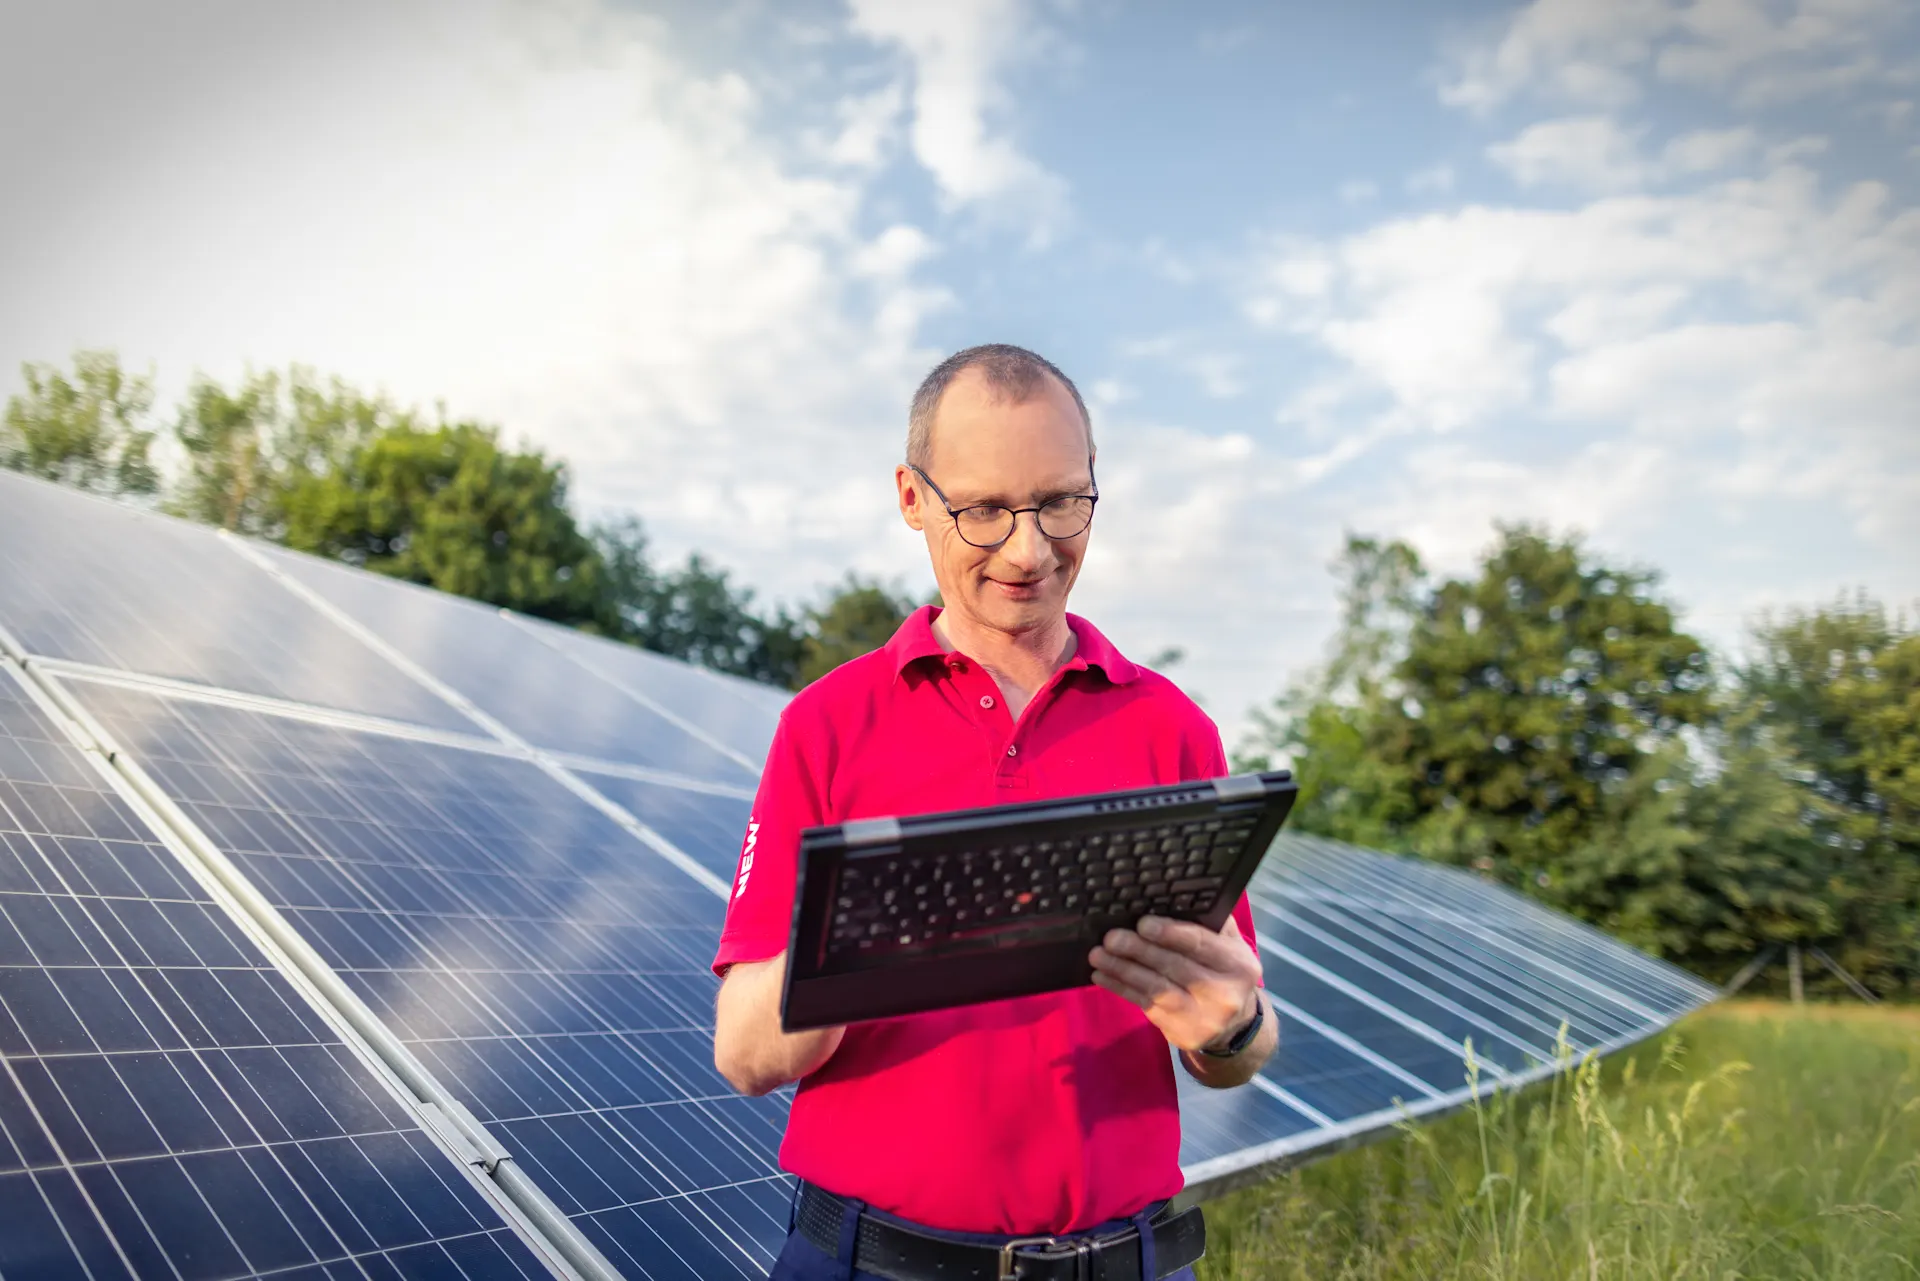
(760, 913)
(1206, 757)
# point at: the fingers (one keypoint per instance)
(1103, 979)
(1142, 975)
(1152, 1007)
(1221, 950)
(1126, 948)
(1191, 982)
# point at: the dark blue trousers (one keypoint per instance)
(801, 1260)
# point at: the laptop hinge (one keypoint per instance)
(1240, 787)
(871, 831)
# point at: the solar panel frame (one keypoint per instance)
(161, 1094)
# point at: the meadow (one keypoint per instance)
(1753, 1140)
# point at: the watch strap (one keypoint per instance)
(1244, 1037)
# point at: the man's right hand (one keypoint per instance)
(749, 1048)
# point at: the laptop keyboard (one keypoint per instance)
(1075, 886)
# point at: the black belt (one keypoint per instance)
(904, 1254)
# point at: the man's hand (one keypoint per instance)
(1197, 986)
(749, 1048)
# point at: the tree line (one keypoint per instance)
(1545, 722)
(318, 466)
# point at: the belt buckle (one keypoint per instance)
(1083, 1251)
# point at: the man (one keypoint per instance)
(920, 1140)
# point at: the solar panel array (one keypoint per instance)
(350, 927)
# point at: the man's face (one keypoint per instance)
(987, 450)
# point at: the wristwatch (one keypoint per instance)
(1244, 1037)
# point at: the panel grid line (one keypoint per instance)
(1493, 939)
(1418, 1027)
(1404, 980)
(1452, 883)
(1480, 968)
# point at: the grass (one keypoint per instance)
(1754, 1140)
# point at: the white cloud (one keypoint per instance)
(958, 51)
(1754, 51)
(869, 124)
(1432, 180)
(533, 211)
(1707, 150)
(1641, 367)
(1217, 375)
(1590, 152)
(1201, 543)
(1596, 153)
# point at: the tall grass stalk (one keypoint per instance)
(1753, 1142)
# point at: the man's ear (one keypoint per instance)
(913, 503)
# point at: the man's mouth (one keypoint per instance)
(1019, 590)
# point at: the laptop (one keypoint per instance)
(896, 916)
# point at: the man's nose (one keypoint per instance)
(1026, 548)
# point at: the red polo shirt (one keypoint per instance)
(1041, 1114)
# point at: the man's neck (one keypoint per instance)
(1019, 662)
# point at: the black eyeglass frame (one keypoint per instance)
(1013, 521)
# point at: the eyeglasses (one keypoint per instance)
(988, 525)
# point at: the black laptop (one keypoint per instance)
(899, 915)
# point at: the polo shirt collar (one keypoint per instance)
(915, 641)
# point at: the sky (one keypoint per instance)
(1647, 271)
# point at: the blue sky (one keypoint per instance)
(1648, 270)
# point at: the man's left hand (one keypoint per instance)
(1198, 986)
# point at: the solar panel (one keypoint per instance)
(707, 824)
(169, 1104)
(1387, 970)
(511, 674)
(543, 964)
(739, 713)
(507, 846)
(89, 581)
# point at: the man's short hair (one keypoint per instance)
(1013, 373)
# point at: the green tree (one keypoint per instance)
(695, 613)
(1526, 721)
(448, 507)
(86, 430)
(1837, 690)
(228, 440)
(856, 618)
(245, 449)
(1545, 722)
(1527, 698)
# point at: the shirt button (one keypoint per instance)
(1013, 749)
(986, 700)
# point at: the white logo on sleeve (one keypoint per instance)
(746, 858)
